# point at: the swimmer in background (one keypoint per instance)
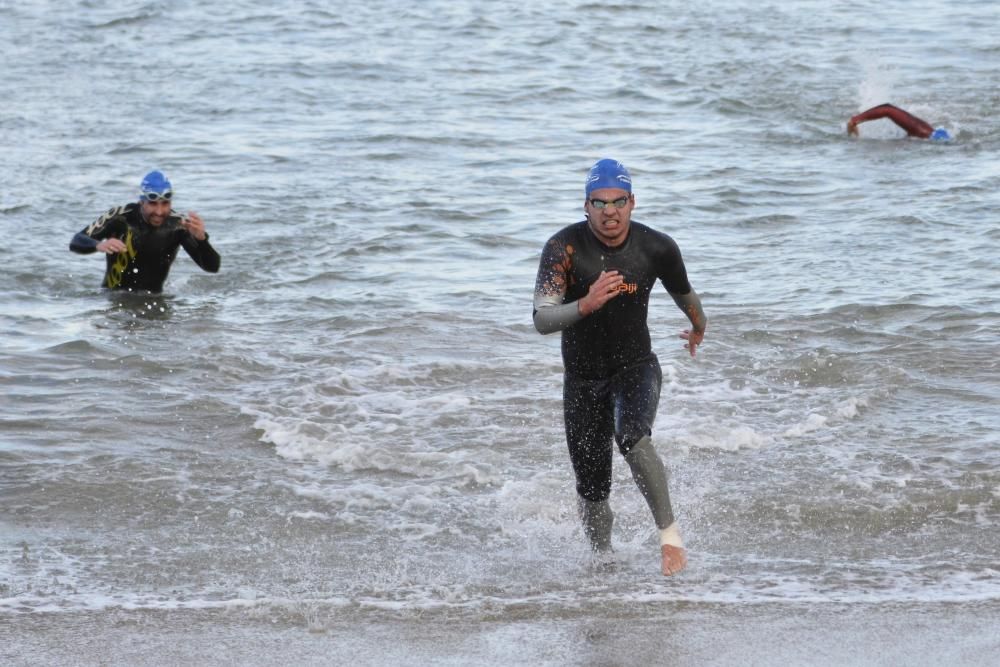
(913, 126)
(141, 239)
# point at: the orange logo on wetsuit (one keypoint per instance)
(629, 288)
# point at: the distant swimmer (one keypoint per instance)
(141, 239)
(593, 284)
(913, 126)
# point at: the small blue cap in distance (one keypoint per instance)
(154, 182)
(940, 134)
(608, 173)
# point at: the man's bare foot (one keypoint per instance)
(674, 559)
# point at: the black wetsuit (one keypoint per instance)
(150, 250)
(612, 378)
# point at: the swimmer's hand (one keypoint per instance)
(195, 226)
(852, 128)
(603, 290)
(111, 246)
(693, 338)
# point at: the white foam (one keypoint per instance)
(729, 439)
(309, 515)
(849, 408)
(876, 85)
(405, 590)
(812, 423)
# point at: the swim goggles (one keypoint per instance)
(621, 202)
(166, 195)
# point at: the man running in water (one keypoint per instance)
(913, 126)
(593, 284)
(141, 239)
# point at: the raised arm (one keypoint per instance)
(913, 126)
(550, 313)
(195, 243)
(100, 236)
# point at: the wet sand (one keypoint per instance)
(681, 634)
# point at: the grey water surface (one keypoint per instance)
(347, 446)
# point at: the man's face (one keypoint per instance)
(609, 212)
(155, 212)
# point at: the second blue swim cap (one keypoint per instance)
(608, 173)
(940, 134)
(155, 183)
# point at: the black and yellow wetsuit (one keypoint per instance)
(149, 252)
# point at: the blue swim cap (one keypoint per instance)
(608, 173)
(156, 184)
(940, 134)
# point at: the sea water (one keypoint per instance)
(348, 446)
